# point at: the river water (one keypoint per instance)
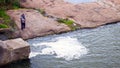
(84, 48)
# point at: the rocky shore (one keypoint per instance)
(84, 15)
(41, 20)
(36, 24)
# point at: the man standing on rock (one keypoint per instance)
(22, 19)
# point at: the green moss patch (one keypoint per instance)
(3, 26)
(68, 22)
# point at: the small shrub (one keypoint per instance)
(4, 6)
(16, 4)
(5, 17)
(9, 4)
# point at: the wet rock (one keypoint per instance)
(5, 33)
(87, 15)
(13, 50)
(36, 24)
(3, 37)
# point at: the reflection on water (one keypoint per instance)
(80, 1)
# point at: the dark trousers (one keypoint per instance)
(22, 26)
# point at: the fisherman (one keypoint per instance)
(23, 20)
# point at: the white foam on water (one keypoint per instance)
(33, 54)
(65, 47)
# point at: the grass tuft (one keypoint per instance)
(3, 26)
(68, 22)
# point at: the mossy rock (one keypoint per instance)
(68, 22)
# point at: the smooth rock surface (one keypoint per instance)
(36, 24)
(87, 15)
(13, 50)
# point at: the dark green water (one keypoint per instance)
(85, 48)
